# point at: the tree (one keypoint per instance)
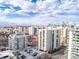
(10, 57)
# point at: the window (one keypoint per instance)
(57, 42)
(40, 38)
(43, 37)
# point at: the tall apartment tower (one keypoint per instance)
(56, 39)
(72, 51)
(44, 39)
(48, 39)
(62, 33)
(32, 31)
(17, 41)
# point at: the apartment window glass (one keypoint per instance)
(43, 37)
(40, 38)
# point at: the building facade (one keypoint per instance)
(45, 39)
(56, 37)
(72, 51)
(62, 33)
(17, 41)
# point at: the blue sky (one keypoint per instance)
(39, 11)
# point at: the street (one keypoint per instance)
(59, 54)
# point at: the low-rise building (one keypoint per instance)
(34, 53)
(27, 53)
(6, 54)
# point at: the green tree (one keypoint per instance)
(10, 57)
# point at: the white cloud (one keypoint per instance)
(23, 4)
(2, 1)
(48, 10)
(6, 11)
(1, 12)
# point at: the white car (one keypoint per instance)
(6, 54)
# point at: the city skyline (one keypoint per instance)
(39, 29)
(38, 11)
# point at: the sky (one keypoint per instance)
(39, 11)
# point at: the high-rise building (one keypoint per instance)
(45, 39)
(29, 30)
(72, 51)
(48, 39)
(62, 33)
(32, 30)
(56, 39)
(17, 41)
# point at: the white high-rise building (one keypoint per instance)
(48, 39)
(17, 41)
(56, 39)
(62, 33)
(32, 30)
(72, 51)
(45, 39)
